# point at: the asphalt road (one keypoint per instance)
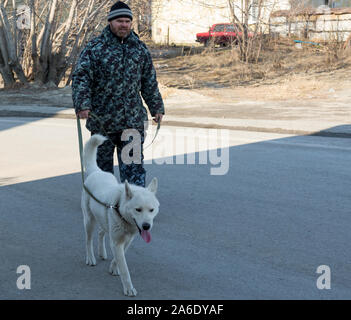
(260, 231)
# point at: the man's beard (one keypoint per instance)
(122, 33)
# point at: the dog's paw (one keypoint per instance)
(103, 255)
(102, 252)
(113, 268)
(90, 261)
(130, 292)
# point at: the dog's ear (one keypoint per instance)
(129, 193)
(153, 185)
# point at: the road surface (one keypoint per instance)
(258, 227)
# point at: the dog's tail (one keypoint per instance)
(90, 149)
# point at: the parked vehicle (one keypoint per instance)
(222, 34)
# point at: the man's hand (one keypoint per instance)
(84, 114)
(158, 117)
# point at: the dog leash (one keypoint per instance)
(106, 134)
(80, 142)
(107, 206)
(156, 133)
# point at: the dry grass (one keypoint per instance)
(166, 91)
(293, 71)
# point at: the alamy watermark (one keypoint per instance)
(188, 146)
(24, 280)
(324, 280)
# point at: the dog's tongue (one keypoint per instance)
(146, 236)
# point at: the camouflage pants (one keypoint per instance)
(134, 172)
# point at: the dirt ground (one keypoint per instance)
(293, 76)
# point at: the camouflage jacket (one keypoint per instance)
(108, 80)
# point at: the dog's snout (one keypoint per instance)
(146, 226)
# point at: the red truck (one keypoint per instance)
(220, 33)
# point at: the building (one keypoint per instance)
(317, 20)
(178, 21)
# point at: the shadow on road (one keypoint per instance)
(342, 131)
(258, 232)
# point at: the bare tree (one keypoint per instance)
(141, 16)
(249, 40)
(8, 45)
(58, 31)
(300, 11)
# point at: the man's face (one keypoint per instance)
(121, 27)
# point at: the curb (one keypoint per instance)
(33, 114)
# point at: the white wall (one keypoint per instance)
(321, 27)
(178, 21)
(182, 19)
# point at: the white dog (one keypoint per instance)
(135, 209)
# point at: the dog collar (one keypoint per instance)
(116, 208)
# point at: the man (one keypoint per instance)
(112, 71)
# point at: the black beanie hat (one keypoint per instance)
(120, 10)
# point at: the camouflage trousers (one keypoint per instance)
(133, 172)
